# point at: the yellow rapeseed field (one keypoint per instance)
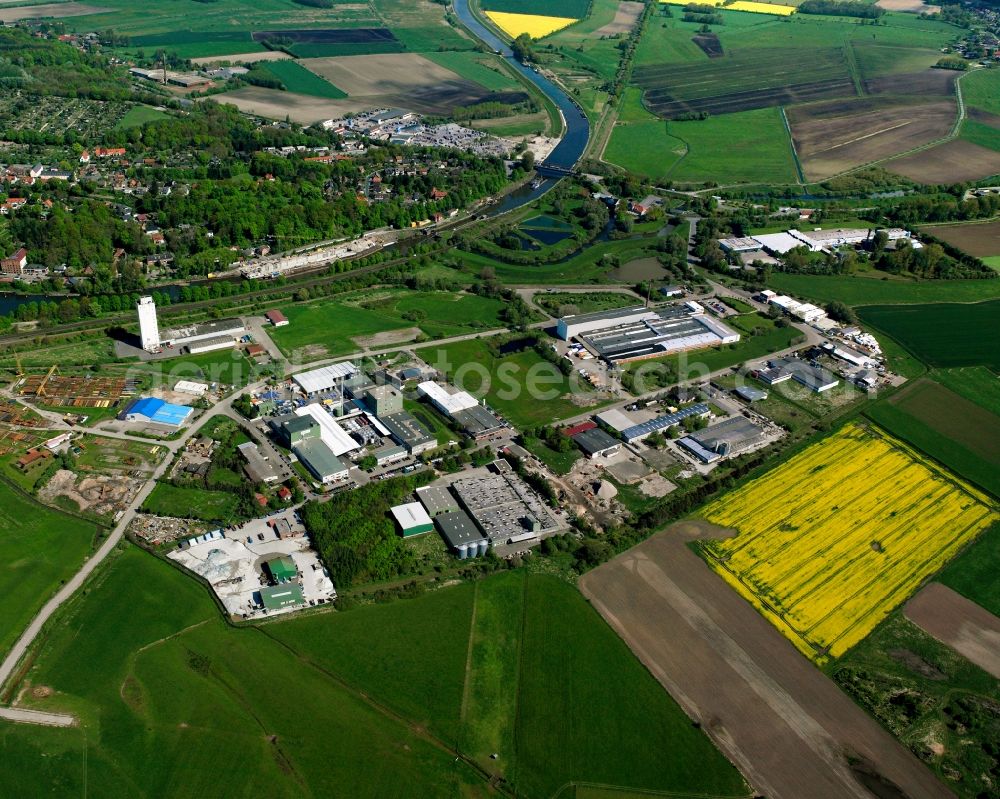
(688, 2)
(760, 8)
(534, 25)
(832, 540)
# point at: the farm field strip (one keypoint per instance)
(825, 581)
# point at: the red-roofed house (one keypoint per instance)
(579, 428)
(438, 194)
(85, 157)
(13, 204)
(109, 152)
(276, 318)
(284, 494)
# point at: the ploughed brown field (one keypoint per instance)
(963, 625)
(626, 14)
(926, 83)
(953, 162)
(835, 136)
(784, 723)
(981, 239)
(56, 10)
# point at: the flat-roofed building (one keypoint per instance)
(326, 378)
(412, 519)
(576, 325)
(383, 400)
(448, 402)
(596, 443)
(664, 422)
(723, 440)
(192, 335)
(461, 534)
(671, 329)
(332, 434)
(408, 431)
(750, 394)
(320, 460)
(210, 344)
(258, 467)
(615, 419)
(739, 244)
(478, 422)
(437, 499)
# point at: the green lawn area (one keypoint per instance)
(983, 135)
(338, 327)
(858, 291)
(482, 68)
(416, 662)
(189, 502)
(175, 703)
(975, 573)
(296, 78)
(585, 303)
(941, 334)
(525, 388)
(140, 115)
(40, 548)
(229, 367)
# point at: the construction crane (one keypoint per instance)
(40, 391)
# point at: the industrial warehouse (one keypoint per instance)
(193, 339)
(631, 334)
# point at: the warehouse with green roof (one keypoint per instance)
(282, 569)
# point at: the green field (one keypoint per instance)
(338, 328)
(981, 89)
(558, 462)
(975, 573)
(296, 78)
(942, 334)
(189, 502)
(919, 429)
(175, 703)
(749, 146)
(976, 383)
(140, 115)
(229, 367)
(40, 548)
(860, 291)
(526, 389)
(574, 9)
(479, 67)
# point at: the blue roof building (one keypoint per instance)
(157, 411)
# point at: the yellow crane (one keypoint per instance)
(40, 392)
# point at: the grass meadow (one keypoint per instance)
(296, 78)
(860, 291)
(941, 334)
(191, 502)
(40, 548)
(510, 380)
(364, 703)
(337, 326)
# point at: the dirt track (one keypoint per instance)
(966, 627)
(777, 717)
